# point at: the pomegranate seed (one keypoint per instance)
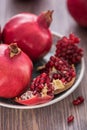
(81, 99)
(71, 36)
(52, 58)
(78, 100)
(65, 39)
(51, 63)
(63, 79)
(77, 40)
(55, 76)
(70, 119)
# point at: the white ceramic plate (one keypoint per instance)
(79, 71)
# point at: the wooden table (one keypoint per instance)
(53, 117)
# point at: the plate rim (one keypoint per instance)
(67, 93)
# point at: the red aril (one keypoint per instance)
(30, 32)
(70, 119)
(78, 100)
(15, 71)
(78, 10)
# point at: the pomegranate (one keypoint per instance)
(30, 32)
(78, 10)
(67, 48)
(62, 74)
(41, 91)
(15, 70)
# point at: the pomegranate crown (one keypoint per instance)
(45, 18)
(14, 50)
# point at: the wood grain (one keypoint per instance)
(55, 116)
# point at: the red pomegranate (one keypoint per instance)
(41, 91)
(15, 71)
(62, 74)
(30, 32)
(78, 10)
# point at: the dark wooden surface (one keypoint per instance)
(53, 117)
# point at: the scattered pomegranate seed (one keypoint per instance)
(70, 119)
(78, 100)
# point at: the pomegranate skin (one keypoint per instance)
(78, 10)
(15, 73)
(0, 33)
(30, 34)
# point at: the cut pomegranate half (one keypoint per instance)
(62, 74)
(41, 91)
(28, 98)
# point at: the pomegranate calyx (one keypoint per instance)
(14, 50)
(45, 18)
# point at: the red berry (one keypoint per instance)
(78, 100)
(70, 119)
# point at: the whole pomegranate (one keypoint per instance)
(78, 10)
(15, 71)
(30, 32)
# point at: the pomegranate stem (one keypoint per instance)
(14, 50)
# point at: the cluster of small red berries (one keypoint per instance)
(67, 49)
(40, 82)
(64, 71)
